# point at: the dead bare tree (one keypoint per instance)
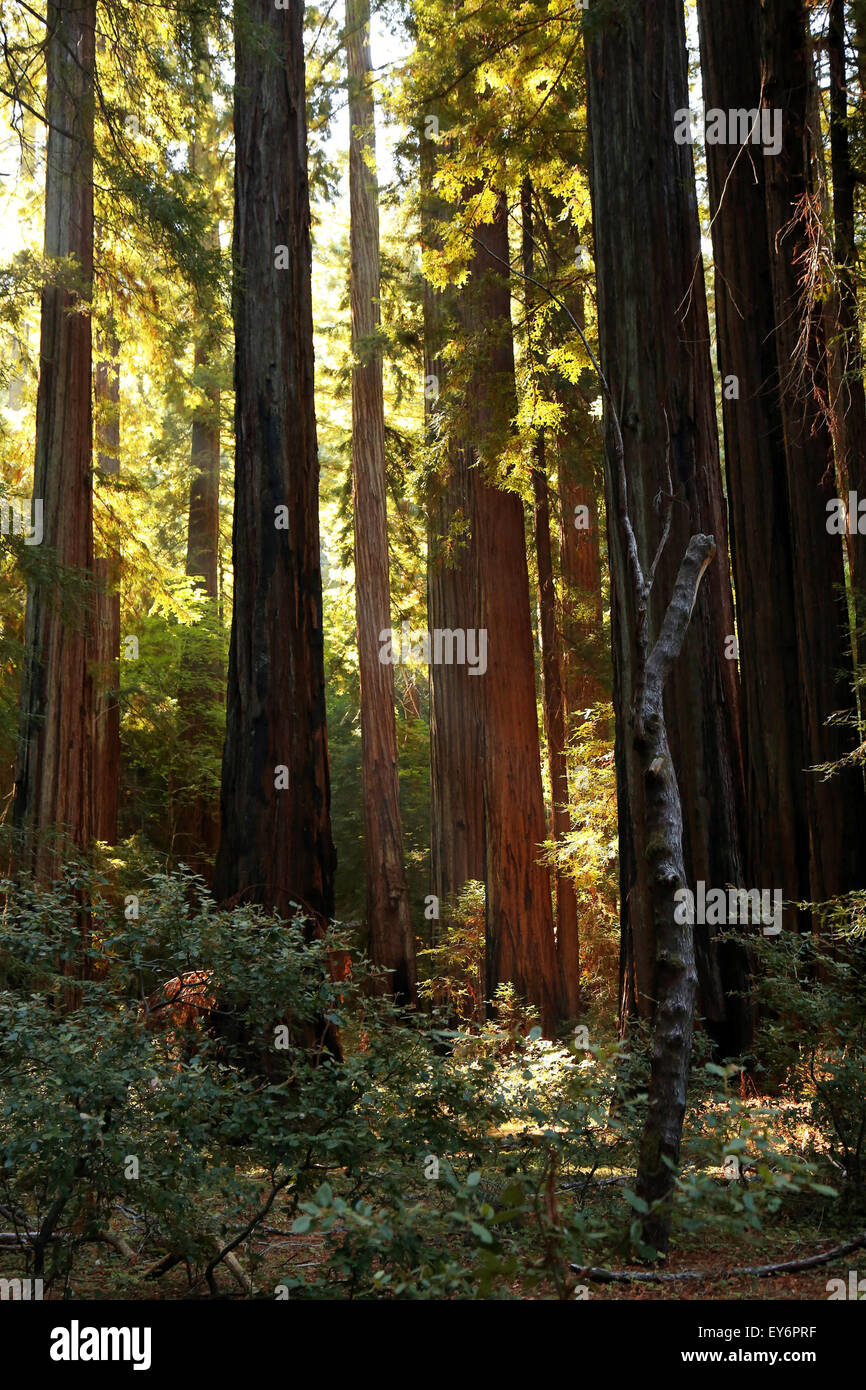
(662, 830)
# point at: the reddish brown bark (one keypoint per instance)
(276, 845)
(456, 734)
(53, 782)
(520, 937)
(392, 943)
(202, 547)
(581, 604)
(106, 737)
(567, 926)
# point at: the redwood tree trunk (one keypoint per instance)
(580, 561)
(456, 732)
(848, 398)
(276, 845)
(578, 451)
(106, 738)
(835, 860)
(53, 781)
(520, 938)
(567, 926)
(775, 757)
(388, 921)
(196, 835)
(654, 338)
(202, 545)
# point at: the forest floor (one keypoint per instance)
(103, 1273)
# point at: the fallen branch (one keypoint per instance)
(231, 1263)
(26, 1238)
(626, 1276)
(164, 1265)
(118, 1243)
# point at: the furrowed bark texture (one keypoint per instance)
(835, 861)
(392, 944)
(202, 545)
(276, 845)
(567, 926)
(53, 781)
(580, 558)
(578, 455)
(848, 397)
(521, 946)
(775, 757)
(196, 833)
(456, 733)
(106, 736)
(654, 340)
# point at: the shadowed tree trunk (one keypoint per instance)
(659, 831)
(392, 944)
(578, 448)
(847, 395)
(276, 846)
(835, 861)
(582, 617)
(202, 544)
(567, 927)
(775, 757)
(53, 782)
(197, 835)
(649, 273)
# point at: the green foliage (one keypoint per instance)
(455, 965)
(813, 991)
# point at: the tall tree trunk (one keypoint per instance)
(197, 838)
(847, 395)
(835, 861)
(106, 737)
(581, 606)
(520, 938)
(650, 280)
(456, 731)
(202, 543)
(53, 782)
(775, 757)
(567, 926)
(276, 846)
(582, 617)
(392, 944)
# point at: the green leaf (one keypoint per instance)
(635, 1201)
